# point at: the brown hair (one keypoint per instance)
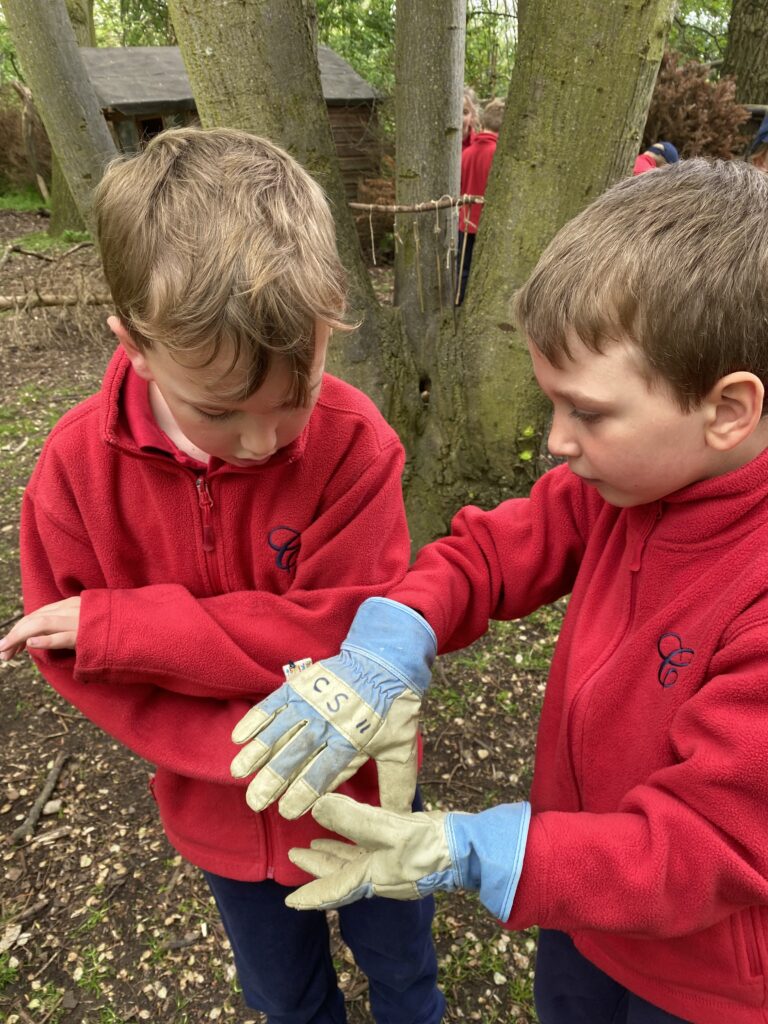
(217, 240)
(677, 262)
(493, 115)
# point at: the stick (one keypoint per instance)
(27, 827)
(431, 206)
(32, 299)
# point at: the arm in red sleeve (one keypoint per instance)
(234, 645)
(686, 848)
(505, 563)
(190, 736)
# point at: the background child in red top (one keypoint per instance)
(476, 160)
(660, 154)
(219, 507)
(643, 855)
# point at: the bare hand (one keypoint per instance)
(52, 627)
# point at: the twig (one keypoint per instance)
(32, 299)
(32, 911)
(80, 245)
(27, 827)
(13, 618)
(429, 207)
(31, 252)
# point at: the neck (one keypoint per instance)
(168, 425)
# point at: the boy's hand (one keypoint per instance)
(315, 731)
(407, 856)
(52, 627)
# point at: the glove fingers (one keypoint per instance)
(259, 716)
(337, 890)
(318, 862)
(325, 772)
(397, 784)
(374, 828)
(254, 755)
(276, 773)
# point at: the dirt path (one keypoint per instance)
(100, 920)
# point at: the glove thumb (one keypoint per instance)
(397, 784)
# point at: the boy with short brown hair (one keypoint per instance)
(643, 854)
(220, 505)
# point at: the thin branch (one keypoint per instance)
(428, 207)
(27, 827)
(33, 299)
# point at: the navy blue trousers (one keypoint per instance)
(283, 956)
(568, 989)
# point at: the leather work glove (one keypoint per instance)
(407, 856)
(318, 728)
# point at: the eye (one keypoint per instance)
(218, 416)
(585, 417)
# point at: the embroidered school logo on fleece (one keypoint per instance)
(674, 656)
(287, 543)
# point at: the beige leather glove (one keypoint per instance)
(407, 856)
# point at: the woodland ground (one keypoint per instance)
(100, 921)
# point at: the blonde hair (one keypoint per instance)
(493, 115)
(217, 240)
(676, 262)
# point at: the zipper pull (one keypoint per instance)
(206, 504)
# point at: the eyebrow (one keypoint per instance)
(576, 397)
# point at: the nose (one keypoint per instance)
(259, 438)
(561, 442)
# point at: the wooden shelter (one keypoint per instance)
(144, 89)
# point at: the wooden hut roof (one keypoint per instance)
(144, 79)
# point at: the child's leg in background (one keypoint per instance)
(392, 944)
(568, 989)
(283, 956)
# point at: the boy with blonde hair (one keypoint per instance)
(203, 517)
(643, 854)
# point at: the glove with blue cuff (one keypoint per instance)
(316, 730)
(407, 856)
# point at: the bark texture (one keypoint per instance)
(64, 213)
(746, 57)
(577, 102)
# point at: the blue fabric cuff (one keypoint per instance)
(395, 637)
(487, 851)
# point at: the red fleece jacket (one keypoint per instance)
(476, 162)
(198, 583)
(649, 836)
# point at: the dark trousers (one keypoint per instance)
(463, 266)
(284, 964)
(568, 989)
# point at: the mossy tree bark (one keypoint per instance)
(746, 56)
(64, 213)
(64, 97)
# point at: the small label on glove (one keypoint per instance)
(294, 667)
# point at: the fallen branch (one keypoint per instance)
(27, 827)
(31, 252)
(33, 299)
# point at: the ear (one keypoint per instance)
(734, 408)
(137, 357)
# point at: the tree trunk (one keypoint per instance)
(429, 77)
(64, 213)
(746, 57)
(65, 100)
(577, 102)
